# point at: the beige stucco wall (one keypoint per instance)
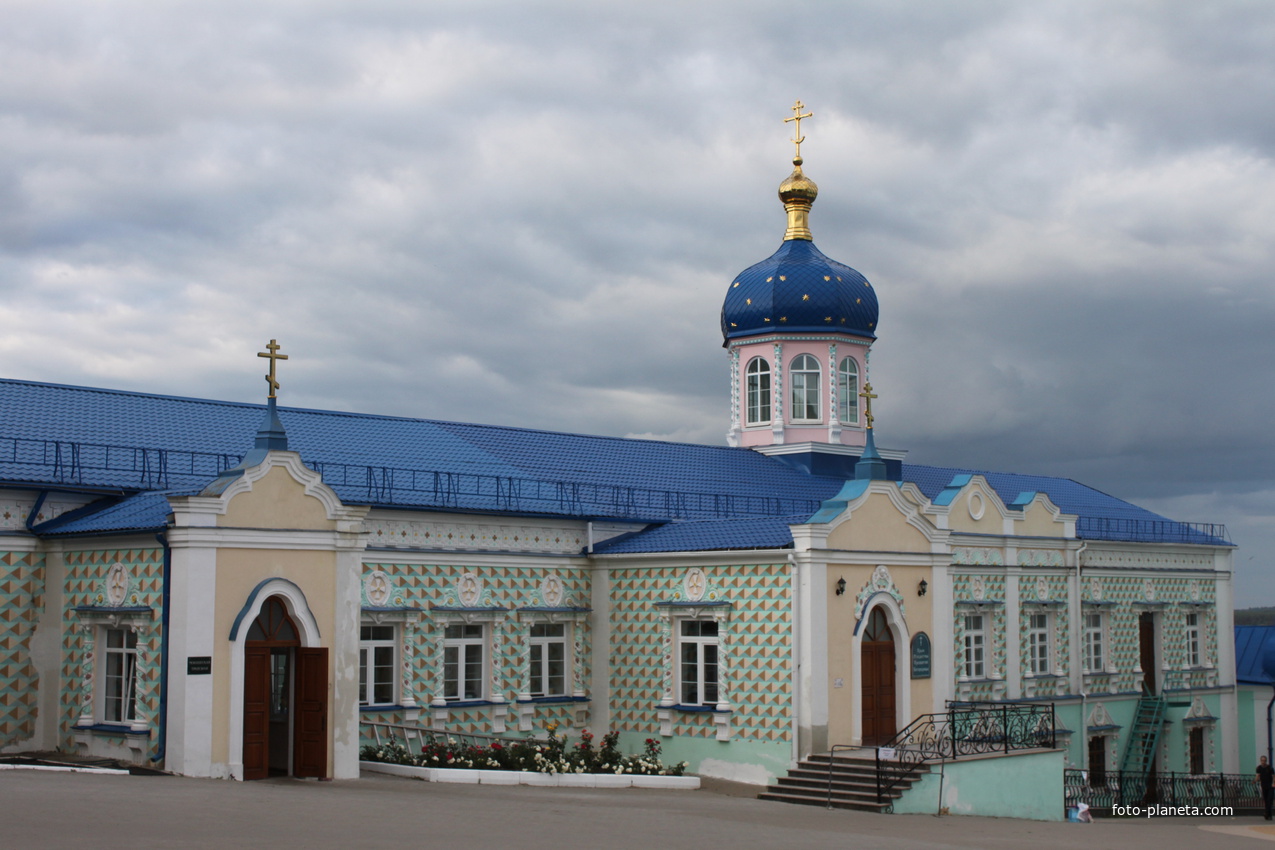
(842, 657)
(877, 526)
(1038, 521)
(276, 501)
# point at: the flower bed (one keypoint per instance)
(552, 756)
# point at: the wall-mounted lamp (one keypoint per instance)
(841, 585)
(922, 587)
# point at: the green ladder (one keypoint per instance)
(1139, 751)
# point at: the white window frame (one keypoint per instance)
(704, 646)
(848, 391)
(1040, 643)
(804, 373)
(974, 647)
(369, 649)
(127, 655)
(758, 387)
(464, 646)
(1094, 642)
(1194, 640)
(544, 643)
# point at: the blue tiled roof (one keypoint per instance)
(110, 441)
(706, 535)
(1252, 644)
(146, 511)
(799, 289)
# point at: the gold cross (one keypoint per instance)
(797, 116)
(274, 355)
(868, 395)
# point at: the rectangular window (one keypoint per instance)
(1193, 655)
(1093, 647)
(975, 638)
(378, 649)
(1038, 644)
(548, 659)
(697, 641)
(119, 682)
(464, 648)
(758, 393)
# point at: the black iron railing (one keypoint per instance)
(965, 729)
(1101, 791)
(1152, 530)
(378, 733)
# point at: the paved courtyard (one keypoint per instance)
(40, 809)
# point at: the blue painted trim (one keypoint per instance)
(976, 602)
(384, 610)
(1044, 603)
(477, 610)
(681, 604)
(698, 709)
(111, 729)
(1109, 727)
(252, 597)
(468, 703)
(551, 700)
(558, 610)
(1099, 603)
(382, 708)
(35, 510)
(107, 609)
(867, 607)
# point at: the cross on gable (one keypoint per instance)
(272, 352)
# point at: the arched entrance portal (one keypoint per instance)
(877, 680)
(284, 698)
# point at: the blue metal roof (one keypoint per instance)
(122, 443)
(798, 289)
(1252, 645)
(146, 511)
(705, 535)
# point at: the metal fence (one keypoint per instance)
(965, 729)
(1118, 788)
(378, 733)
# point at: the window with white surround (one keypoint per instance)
(378, 664)
(975, 646)
(1194, 658)
(464, 662)
(697, 668)
(804, 376)
(848, 391)
(118, 692)
(1094, 642)
(757, 392)
(1038, 634)
(548, 652)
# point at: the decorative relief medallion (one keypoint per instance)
(977, 507)
(552, 591)
(378, 588)
(694, 584)
(977, 589)
(117, 584)
(1194, 590)
(977, 557)
(469, 589)
(1148, 590)
(1042, 589)
(881, 582)
(1095, 589)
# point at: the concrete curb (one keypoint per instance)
(514, 777)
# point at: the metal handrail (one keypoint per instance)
(424, 735)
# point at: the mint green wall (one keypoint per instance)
(1018, 786)
(752, 761)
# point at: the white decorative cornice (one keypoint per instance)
(475, 536)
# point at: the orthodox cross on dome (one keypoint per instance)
(868, 395)
(274, 355)
(797, 116)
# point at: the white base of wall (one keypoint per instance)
(514, 777)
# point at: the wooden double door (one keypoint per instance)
(285, 706)
(877, 661)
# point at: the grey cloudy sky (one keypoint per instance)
(528, 213)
